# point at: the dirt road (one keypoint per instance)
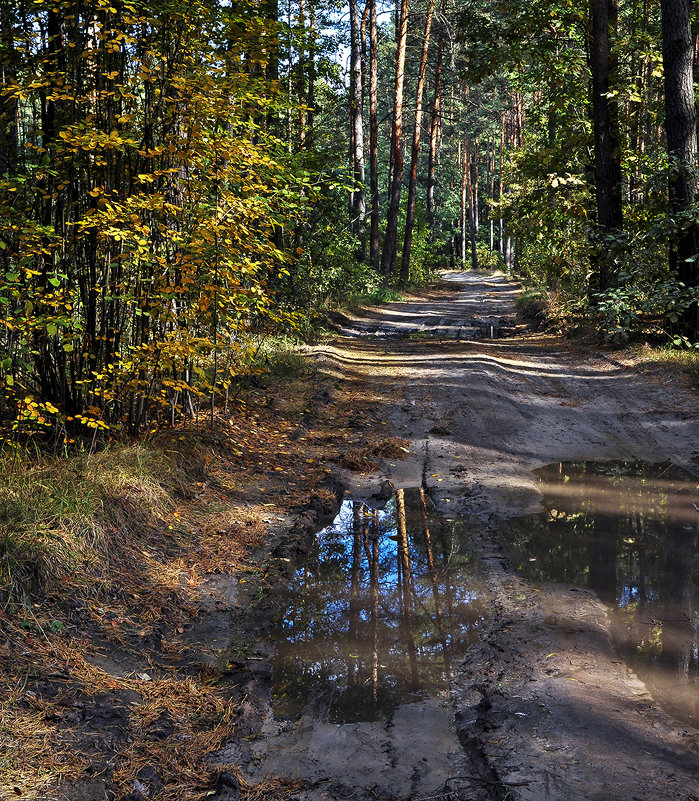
(542, 707)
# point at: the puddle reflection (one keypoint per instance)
(630, 532)
(377, 613)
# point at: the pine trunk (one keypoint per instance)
(605, 118)
(374, 254)
(357, 123)
(680, 126)
(388, 256)
(415, 150)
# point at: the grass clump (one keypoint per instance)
(533, 306)
(56, 513)
(686, 359)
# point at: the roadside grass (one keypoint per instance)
(534, 306)
(103, 554)
(685, 359)
(376, 297)
(107, 560)
(56, 513)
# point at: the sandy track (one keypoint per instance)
(544, 707)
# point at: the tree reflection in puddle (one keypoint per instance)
(375, 616)
(630, 532)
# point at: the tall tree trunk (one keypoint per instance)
(374, 254)
(468, 169)
(464, 206)
(476, 214)
(680, 126)
(8, 99)
(492, 194)
(605, 118)
(301, 76)
(501, 223)
(415, 150)
(357, 122)
(434, 136)
(388, 256)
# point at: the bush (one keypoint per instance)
(488, 259)
(533, 306)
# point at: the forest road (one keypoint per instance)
(480, 415)
(543, 706)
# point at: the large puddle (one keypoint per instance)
(383, 606)
(630, 532)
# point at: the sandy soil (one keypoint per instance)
(542, 708)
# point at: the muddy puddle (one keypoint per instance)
(630, 532)
(383, 606)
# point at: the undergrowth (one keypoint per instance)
(56, 513)
(686, 360)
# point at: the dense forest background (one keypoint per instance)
(180, 182)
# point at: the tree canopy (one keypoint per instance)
(179, 182)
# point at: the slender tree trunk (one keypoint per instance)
(605, 118)
(464, 206)
(301, 76)
(9, 151)
(501, 224)
(468, 169)
(680, 127)
(476, 214)
(415, 150)
(388, 256)
(434, 137)
(374, 253)
(357, 123)
(492, 194)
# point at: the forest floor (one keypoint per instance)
(168, 695)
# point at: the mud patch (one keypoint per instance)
(630, 532)
(365, 638)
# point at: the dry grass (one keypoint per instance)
(686, 360)
(363, 459)
(103, 555)
(58, 517)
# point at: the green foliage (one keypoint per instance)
(488, 259)
(644, 308)
(140, 220)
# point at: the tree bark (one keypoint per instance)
(680, 127)
(374, 254)
(468, 169)
(605, 118)
(388, 256)
(357, 122)
(434, 136)
(415, 150)
(501, 223)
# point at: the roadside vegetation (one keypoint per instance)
(187, 191)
